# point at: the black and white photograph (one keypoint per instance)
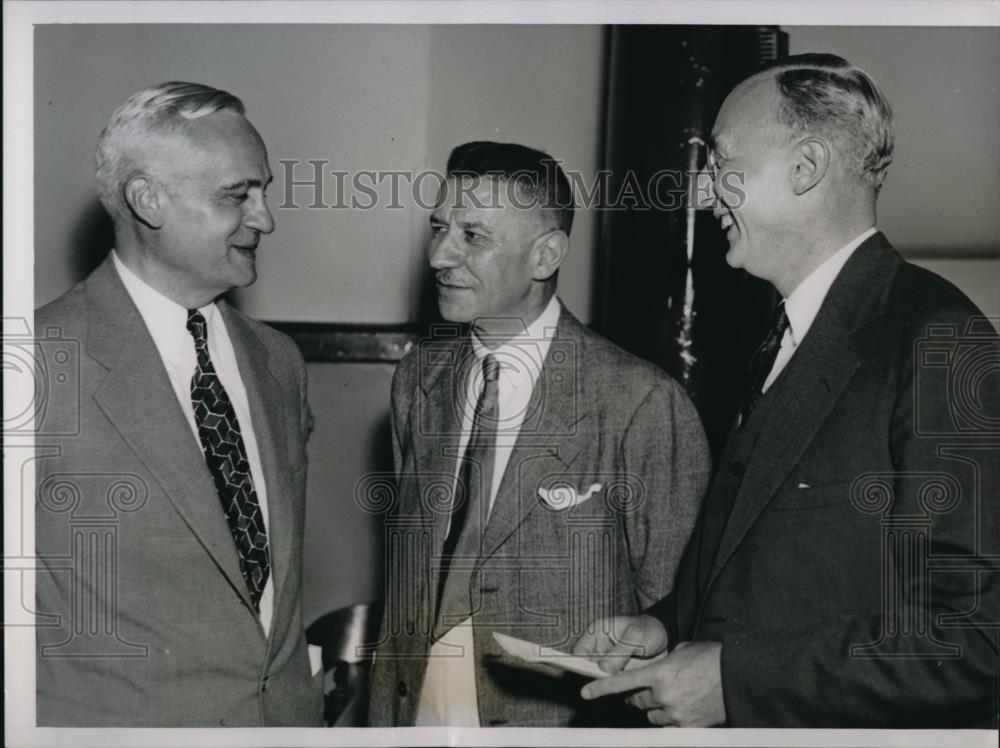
(501, 373)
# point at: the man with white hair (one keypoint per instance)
(843, 571)
(169, 524)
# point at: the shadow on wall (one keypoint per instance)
(93, 237)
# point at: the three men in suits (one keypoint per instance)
(843, 569)
(543, 473)
(169, 524)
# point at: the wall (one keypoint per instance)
(358, 97)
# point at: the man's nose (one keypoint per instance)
(443, 252)
(259, 218)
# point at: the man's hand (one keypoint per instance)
(684, 688)
(610, 642)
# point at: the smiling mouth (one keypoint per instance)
(725, 220)
(249, 249)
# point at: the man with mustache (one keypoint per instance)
(843, 569)
(543, 473)
(169, 524)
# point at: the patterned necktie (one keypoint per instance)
(469, 514)
(226, 456)
(763, 361)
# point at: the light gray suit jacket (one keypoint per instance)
(145, 617)
(596, 415)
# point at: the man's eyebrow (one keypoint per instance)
(245, 184)
(474, 225)
(714, 144)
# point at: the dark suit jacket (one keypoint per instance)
(596, 415)
(146, 619)
(855, 583)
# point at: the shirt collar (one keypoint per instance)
(165, 319)
(804, 302)
(522, 356)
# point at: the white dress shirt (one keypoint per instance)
(803, 304)
(448, 697)
(167, 324)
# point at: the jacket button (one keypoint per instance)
(402, 690)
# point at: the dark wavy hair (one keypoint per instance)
(535, 173)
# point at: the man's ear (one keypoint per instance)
(144, 198)
(812, 159)
(549, 251)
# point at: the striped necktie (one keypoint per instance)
(470, 509)
(763, 361)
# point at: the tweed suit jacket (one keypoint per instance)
(145, 617)
(597, 415)
(855, 583)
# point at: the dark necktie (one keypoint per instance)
(226, 456)
(463, 544)
(763, 361)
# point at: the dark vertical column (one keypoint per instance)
(667, 293)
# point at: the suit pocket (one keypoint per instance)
(812, 498)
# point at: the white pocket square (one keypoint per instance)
(563, 496)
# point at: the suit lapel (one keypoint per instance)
(712, 520)
(546, 445)
(264, 396)
(810, 386)
(139, 401)
(443, 372)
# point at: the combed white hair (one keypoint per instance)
(157, 110)
(826, 94)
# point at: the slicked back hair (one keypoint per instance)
(534, 172)
(825, 94)
(124, 142)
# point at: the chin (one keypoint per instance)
(454, 313)
(734, 258)
(247, 280)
